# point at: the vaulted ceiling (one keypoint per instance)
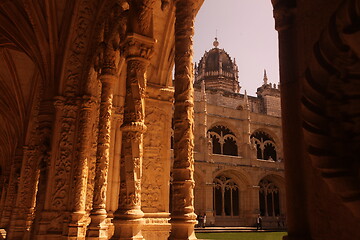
(32, 39)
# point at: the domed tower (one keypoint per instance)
(217, 70)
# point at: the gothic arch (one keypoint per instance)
(280, 180)
(241, 177)
(272, 196)
(228, 125)
(224, 141)
(267, 147)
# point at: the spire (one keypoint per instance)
(216, 43)
(246, 101)
(203, 92)
(265, 77)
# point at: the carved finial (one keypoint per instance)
(216, 43)
(246, 101)
(203, 92)
(265, 77)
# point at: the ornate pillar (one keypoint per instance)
(76, 226)
(43, 131)
(297, 219)
(56, 202)
(4, 178)
(128, 217)
(98, 227)
(183, 217)
(11, 192)
(23, 213)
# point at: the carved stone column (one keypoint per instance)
(183, 217)
(4, 185)
(76, 227)
(23, 212)
(54, 214)
(298, 225)
(128, 217)
(98, 227)
(11, 192)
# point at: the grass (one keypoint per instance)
(243, 236)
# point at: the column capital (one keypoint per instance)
(138, 47)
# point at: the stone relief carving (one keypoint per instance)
(153, 170)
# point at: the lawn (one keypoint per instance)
(243, 236)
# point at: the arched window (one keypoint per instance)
(226, 197)
(269, 199)
(265, 146)
(223, 141)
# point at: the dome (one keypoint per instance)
(217, 70)
(215, 57)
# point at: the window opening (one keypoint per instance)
(223, 141)
(265, 146)
(269, 199)
(226, 197)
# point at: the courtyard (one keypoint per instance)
(242, 235)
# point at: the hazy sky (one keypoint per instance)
(245, 29)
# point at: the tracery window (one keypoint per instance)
(223, 141)
(265, 146)
(269, 199)
(226, 197)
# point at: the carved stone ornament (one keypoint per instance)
(138, 46)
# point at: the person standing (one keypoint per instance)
(204, 220)
(201, 220)
(258, 222)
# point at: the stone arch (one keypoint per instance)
(230, 193)
(241, 177)
(272, 196)
(224, 140)
(267, 143)
(230, 126)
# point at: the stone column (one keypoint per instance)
(11, 192)
(252, 203)
(4, 185)
(23, 212)
(183, 217)
(56, 202)
(209, 197)
(76, 225)
(98, 227)
(297, 219)
(128, 218)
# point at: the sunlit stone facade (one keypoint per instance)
(238, 146)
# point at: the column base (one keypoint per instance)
(182, 230)
(76, 231)
(20, 224)
(98, 228)
(128, 229)
(157, 226)
(76, 228)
